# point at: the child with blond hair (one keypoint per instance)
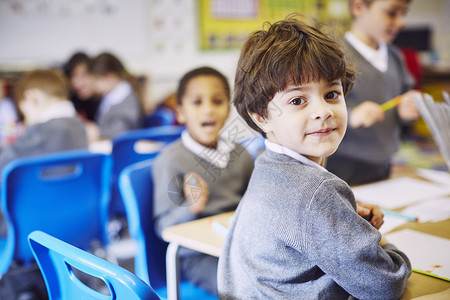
(51, 121)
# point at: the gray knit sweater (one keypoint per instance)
(375, 144)
(296, 235)
(226, 186)
(55, 135)
(122, 117)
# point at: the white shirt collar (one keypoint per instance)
(63, 109)
(218, 157)
(115, 96)
(295, 155)
(377, 58)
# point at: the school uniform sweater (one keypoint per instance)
(119, 111)
(226, 185)
(377, 143)
(58, 134)
(296, 235)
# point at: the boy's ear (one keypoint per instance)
(32, 95)
(356, 7)
(179, 115)
(260, 121)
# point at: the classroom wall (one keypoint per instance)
(157, 38)
(434, 14)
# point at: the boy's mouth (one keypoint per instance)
(208, 123)
(322, 132)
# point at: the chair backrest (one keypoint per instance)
(57, 260)
(162, 116)
(136, 186)
(65, 194)
(134, 146)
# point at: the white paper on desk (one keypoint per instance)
(103, 146)
(440, 177)
(390, 223)
(428, 253)
(430, 211)
(398, 192)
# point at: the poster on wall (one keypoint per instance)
(225, 24)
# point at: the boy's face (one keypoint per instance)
(204, 109)
(309, 119)
(382, 20)
(82, 81)
(32, 105)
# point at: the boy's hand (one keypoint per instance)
(371, 211)
(366, 114)
(196, 192)
(407, 109)
(92, 131)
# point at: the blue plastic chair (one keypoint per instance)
(57, 261)
(134, 146)
(162, 116)
(136, 186)
(65, 194)
(254, 145)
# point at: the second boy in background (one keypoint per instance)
(201, 174)
(373, 135)
(120, 109)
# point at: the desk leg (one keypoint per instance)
(173, 272)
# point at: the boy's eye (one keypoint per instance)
(391, 13)
(332, 95)
(296, 101)
(197, 102)
(218, 101)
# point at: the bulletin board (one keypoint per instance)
(225, 24)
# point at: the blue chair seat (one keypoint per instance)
(57, 261)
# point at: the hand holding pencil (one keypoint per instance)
(366, 114)
(407, 108)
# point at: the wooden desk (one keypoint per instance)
(197, 235)
(200, 236)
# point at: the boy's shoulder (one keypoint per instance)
(173, 151)
(288, 168)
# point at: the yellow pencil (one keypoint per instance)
(391, 103)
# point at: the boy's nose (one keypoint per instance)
(400, 21)
(321, 110)
(208, 107)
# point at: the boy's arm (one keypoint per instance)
(169, 207)
(365, 114)
(347, 248)
(196, 192)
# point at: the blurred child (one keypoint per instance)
(120, 109)
(201, 174)
(81, 86)
(296, 232)
(373, 136)
(8, 117)
(51, 119)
